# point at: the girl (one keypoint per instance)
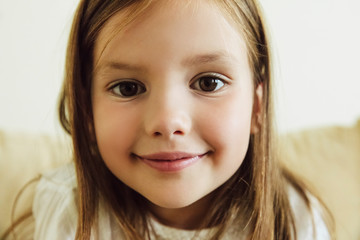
(169, 107)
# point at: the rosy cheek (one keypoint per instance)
(226, 127)
(115, 126)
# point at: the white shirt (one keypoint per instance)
(55, 214)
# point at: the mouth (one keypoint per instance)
(170, 161)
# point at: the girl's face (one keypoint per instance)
(173, 100)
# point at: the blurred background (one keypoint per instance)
(315, 44)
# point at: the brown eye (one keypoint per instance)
(208, 84)
(128, 89)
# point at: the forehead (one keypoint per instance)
(197, 26)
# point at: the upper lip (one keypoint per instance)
(163, 156)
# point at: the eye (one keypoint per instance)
(211, 83)
(127, 89)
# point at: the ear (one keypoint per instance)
(256, 118)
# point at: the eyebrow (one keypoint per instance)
(207, 58)
(120, 66)
(188, 62)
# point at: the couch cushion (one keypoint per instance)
(22, 158)
(329, 160)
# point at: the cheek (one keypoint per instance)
(115, 128)
(226, 128)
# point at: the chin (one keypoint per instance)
(172, 201)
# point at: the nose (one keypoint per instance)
(167, 116)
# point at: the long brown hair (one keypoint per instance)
(257, 191)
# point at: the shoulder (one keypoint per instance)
(54, 206)
(55, 209)
(309, 221)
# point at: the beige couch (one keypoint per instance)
(328, 158)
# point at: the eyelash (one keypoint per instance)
(137, 88)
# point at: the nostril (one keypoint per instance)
(157, 134)
(178, 132)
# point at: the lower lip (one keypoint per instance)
(172, 165)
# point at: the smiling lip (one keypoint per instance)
(170, 161)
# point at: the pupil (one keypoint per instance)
(128, 89)
(208, 84)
